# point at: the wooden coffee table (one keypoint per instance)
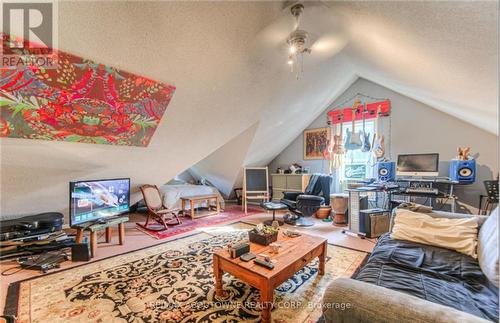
(294, 254)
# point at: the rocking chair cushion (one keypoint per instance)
(152, 197)
(157, 212)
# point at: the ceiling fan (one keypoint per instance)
(309, 28)
(297, 41)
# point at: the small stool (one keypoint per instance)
(271, 206)
(93, 228)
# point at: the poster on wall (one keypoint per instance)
(355, 171)
(315, 142)
(80, 101)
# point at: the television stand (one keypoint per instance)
(99, 226)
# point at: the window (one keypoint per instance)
(357, 164)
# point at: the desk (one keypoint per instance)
(446, 194)
(398, 189)
(392, 189)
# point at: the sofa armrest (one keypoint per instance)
(348, 300)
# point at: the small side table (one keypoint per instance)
(198, 199)
(120, 221)
(272, 206)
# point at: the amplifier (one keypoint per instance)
(374, 222)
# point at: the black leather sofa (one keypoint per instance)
(404, 281)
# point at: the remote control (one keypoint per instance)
(263, 263)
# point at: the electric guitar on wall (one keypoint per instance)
(338, 150)
(378, 145)
(328, 153)
(365, 137)
(337, 139)
(353, 138)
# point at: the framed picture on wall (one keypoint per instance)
(315, 141)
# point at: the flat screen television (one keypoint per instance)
(418, 165)
(97, 200)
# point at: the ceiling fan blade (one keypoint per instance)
(329, 45)
(277, 32)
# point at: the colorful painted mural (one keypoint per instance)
(81, 101)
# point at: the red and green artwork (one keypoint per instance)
(81, 101)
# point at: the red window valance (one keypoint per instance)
(346, 114)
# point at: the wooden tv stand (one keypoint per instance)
(94, 228)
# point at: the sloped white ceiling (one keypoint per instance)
(224, 165)
(228, 63)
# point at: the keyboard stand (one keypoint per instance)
(446, 195)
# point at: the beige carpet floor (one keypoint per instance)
(172, 282)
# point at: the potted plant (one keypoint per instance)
(263, 235)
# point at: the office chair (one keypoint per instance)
(304, 205)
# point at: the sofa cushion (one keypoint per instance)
(435, 274)
(456, 234)
(487, 249)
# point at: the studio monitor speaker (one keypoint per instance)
(463, 171)
(386, 171)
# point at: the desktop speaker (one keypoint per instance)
(386, 171)
(463, 171)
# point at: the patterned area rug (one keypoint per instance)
(230, 214)
(173, 282)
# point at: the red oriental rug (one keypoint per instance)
(230, 214)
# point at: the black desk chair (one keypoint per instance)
(304, 205)
(491, 196)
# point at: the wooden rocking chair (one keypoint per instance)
(156, 210)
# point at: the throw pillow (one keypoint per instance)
(487, 249)
(456, 234)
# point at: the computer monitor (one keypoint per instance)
(418, 165)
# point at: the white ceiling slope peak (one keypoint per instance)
(222, 167)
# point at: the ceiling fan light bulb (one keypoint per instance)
(293, 49)
(290, 61)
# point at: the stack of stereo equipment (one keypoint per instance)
(32, 234)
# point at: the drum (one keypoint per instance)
(339, 204)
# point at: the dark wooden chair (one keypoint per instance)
(157, 212)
